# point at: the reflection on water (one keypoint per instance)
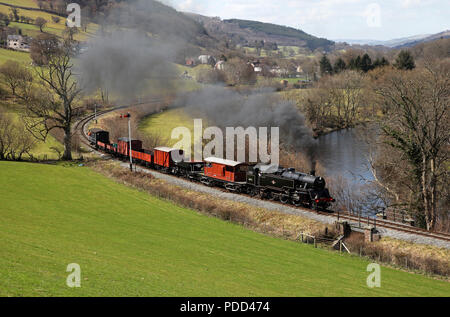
(344, 153)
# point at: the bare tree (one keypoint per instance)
(53, 104)
(15, 140)
(41, 23)
(417, 127)
(14, 74)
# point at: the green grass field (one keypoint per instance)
(51, 27)
(128, 243)
(22, 3)
(162, 124)
(21, 57)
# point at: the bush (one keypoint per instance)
(398, 256)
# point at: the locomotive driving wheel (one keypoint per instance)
(284, 199)
(273, 196)
(252, 191)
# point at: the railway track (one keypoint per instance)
(394, 226)
(81, 125)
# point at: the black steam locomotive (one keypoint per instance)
(289, 186)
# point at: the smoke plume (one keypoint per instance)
(228, 108)
(125, 63)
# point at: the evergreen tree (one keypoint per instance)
(325, 66)
(366, 63)
(380, 62)
(358, 63)
(405, 61)
(339, 66)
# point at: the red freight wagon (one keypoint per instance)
(124, 144)
(111, 148)
(164, 156)
(142, 156)
(225, 170)
(101, 145)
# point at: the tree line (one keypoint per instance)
(364, 63)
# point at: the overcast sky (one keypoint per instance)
(334, 19)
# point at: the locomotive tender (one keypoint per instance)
(284, 184)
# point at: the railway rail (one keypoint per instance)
(80, 127)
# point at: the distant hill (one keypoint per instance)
(246, 32)
(437, 36)
(401, 42)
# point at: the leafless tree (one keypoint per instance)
(53, 103)
(417, 128)
(14, 74)
(41, 23)
(15, 140)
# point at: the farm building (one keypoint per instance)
(18, 43)
(207, 59)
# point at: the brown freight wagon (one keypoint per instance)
(123, 146)
(225, 170)
(164, 157)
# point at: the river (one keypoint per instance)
(344, 153)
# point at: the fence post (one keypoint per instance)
(315, 246)
(375, 223)
(338, 215)
(359, 219)
(368, 220)
(340, 246)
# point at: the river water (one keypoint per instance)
(344, 153)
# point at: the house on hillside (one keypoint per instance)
(207, 60)
(257, 66)
(190, 62)
(18, 43)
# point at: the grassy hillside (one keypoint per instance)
(22, 3)
(51, 27)
(282, 31)
(128, 243)
(21, 57)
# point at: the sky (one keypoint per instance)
(334, 19)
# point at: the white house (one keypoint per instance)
(207, 59)
(18, 42)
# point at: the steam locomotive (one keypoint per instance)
(283, 184)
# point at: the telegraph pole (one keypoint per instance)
(129, 137)
(128, 115)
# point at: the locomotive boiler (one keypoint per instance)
(289, 186)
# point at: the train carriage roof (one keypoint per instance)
(166, 149)
(128, 140)
(96, 130)
(222, 161)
